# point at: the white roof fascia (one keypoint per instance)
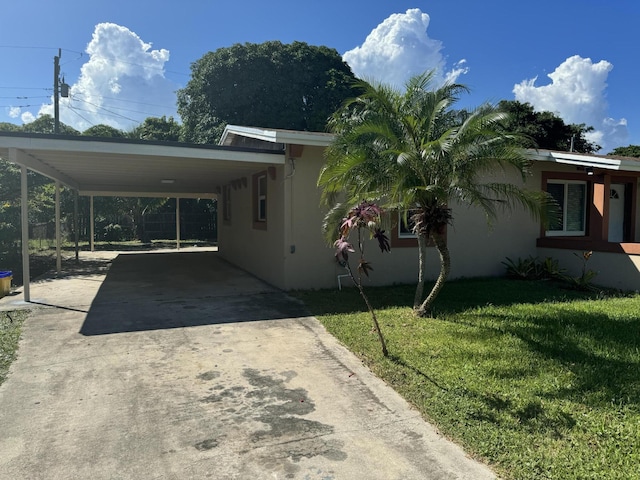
(139, 149)
(276, 135)
(568, 158)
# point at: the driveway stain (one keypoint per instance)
(207, 444)
(210, 375)
(287, 437)
(294, 437)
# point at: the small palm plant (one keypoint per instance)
(363, 217)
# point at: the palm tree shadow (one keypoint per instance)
(399, 361)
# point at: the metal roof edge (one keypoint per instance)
(585, 160)
(278, 135)
(129, 141)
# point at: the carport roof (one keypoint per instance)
(109, 166)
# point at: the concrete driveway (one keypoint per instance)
(180, 366)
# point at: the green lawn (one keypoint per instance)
(537, 381)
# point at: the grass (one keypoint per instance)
(10, 328)
(538, 381)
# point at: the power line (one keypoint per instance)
(86, 120)
(26, 88)
(129, 101)
(115, 114)
(114, 108)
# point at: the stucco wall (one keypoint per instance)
(292, 253)
(257, 251)
(477, 249)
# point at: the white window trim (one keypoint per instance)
(564, 232)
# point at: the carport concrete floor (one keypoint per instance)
(180, 366)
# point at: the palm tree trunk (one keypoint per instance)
(422, 266)
(445, 267)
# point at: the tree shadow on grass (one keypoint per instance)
(601, 351)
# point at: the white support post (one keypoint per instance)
(178, 223)
(58, 235)
(24, 209)
(91, 225)
(76, 233)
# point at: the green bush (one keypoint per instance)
(113, 233)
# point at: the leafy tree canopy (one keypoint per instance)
(158, 128)
(103, 130)
(546, 130)
(9, 127)
(45, 124)
(630, 151)
(294, 86)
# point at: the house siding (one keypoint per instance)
(259, 251)
(292, 253)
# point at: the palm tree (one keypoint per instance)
(412, 152)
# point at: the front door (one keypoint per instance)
(616, 213)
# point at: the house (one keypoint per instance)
(270, 221)
(270, 216)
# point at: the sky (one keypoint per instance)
(124, 60)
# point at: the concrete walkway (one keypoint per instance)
(179, 366)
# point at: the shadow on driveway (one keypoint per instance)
(152, 291)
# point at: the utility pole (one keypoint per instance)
(56, 92)
(60, 89)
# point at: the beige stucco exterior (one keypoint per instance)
(292, 253)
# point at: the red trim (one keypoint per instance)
(597, 228)
(584, 243)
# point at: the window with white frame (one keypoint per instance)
(572, 199)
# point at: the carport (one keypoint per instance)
(125, 168)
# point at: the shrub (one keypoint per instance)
(113, 233)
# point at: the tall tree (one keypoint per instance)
(410, 151)
(294, 86)
(545, 129)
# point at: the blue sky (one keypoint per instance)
(124, 60)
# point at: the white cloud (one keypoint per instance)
(399, 48)
(27, 117)
(577, 94)
(14, 112)
(120, 85)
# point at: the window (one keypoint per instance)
(226, 203)
(260, 201)
(405, 228)
(571, 197)
(262, 198)
(402, 235)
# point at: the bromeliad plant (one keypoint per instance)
(365, 216)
